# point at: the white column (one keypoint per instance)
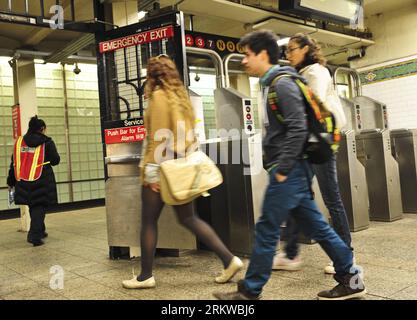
(125, 13)
(24, 83)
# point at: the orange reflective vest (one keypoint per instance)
(28, 162)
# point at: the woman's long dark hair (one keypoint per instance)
(314, 54)
(36, 125)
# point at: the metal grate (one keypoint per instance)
(130, 76)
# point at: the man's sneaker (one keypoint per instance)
(281, 262)
(329, 269)
(234, 267)
(350, 286)
(135, 284)
(240, 294)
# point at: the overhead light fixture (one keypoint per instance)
(283, 42)
(142, 14)
(39, 61)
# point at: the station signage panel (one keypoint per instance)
(222, 45)
(124, 135)
(16, 123)
(137, 39)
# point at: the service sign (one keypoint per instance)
(137, 39)
(222, 45)
(17, 128)
(124, 135)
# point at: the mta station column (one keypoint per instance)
(24, 83)
(125, 13)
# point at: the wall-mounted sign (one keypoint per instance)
(137, 39)
(17, 127)
(124, 135)
(222, 45)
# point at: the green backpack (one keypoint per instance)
(324, 137)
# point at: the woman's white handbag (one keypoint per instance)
(185, 179)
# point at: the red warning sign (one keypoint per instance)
(17, 128)
(124, 135)
(137, 39)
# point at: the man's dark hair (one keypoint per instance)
(262, 40)
(36, 124)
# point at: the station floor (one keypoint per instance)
(78, 243)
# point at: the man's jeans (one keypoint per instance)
(327, 178)
(291, 196)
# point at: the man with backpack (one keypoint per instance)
(290, 174)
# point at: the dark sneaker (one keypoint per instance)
(45, 235)
(240, 294)
(350, 286)
(36, 243)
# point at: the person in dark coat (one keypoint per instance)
(41, 193)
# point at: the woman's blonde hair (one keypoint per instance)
(163, 74)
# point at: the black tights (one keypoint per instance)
(152, 205)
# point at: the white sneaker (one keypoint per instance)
(234, 267)
(329, 269)
(281, 262)
(135, 284)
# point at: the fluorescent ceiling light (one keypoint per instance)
(142, 14)
(39, 61)
(283, 42)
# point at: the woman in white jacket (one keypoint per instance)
(305, 55)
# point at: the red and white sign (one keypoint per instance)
(17, 128)
(200, 43)
(137, 39)
(189, 40)
(124, 135)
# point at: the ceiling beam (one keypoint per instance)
(37, 35)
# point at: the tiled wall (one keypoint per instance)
(394, 84)
(85, 133)
(84, 128)
(6, 135)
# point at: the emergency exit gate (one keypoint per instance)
(122, 60)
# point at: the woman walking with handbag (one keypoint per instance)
(170, 121)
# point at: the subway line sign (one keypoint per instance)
(137, 39)
(222, 45)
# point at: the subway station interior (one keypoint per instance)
(81, 67)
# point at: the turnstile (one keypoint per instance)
(404, 149)
(239, 157)
(352, 183)
(382, 174)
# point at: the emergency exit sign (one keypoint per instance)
(124, 135)
(137, 39)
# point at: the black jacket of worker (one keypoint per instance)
(41, 192)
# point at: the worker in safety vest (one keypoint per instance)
(32, 176)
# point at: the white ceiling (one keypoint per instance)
(379, 6)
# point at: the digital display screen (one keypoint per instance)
(341, 8)
(341, 11)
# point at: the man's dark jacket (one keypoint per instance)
(284, 141)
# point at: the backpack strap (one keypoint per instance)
(273, 97)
